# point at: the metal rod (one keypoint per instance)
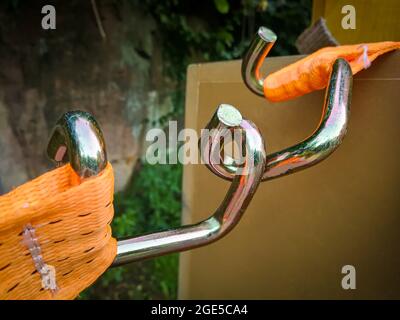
(317, 147)
(261, 44)
(77, 138)
(225, 217)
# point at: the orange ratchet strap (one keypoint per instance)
(55, 235)
(312, 72)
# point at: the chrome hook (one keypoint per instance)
(317, 147)
(261, 44)
(77, 138)
(183, 238)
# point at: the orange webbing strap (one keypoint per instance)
(53, 229)
(312, 72)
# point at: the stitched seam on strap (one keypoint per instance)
(47, 272)
(364, 57)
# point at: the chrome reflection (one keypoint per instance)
(321, 143)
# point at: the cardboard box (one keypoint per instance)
(300, 230)
(375, 20)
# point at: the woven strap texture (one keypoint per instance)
(312, 72)
(71, 223)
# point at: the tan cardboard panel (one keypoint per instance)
(300, 230)
(375, 20)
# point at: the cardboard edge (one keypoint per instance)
(191, 106)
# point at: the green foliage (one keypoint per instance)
(222, 6)
(151, 202)
(197, 31)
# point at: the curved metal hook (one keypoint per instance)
(77, 138)
(228, 214)
(325, 139)
(224, 219)
(254, 57)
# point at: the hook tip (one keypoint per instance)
(229, 115)
(267, 34)
(78, 139)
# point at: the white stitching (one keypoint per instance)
(364, 56)
(47, 272)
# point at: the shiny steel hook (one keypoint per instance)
(224, 219)
(330, 131)
(253, 59)
(317, 147)
(77, 138)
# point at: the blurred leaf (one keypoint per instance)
(263, 5)
(222, 6)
